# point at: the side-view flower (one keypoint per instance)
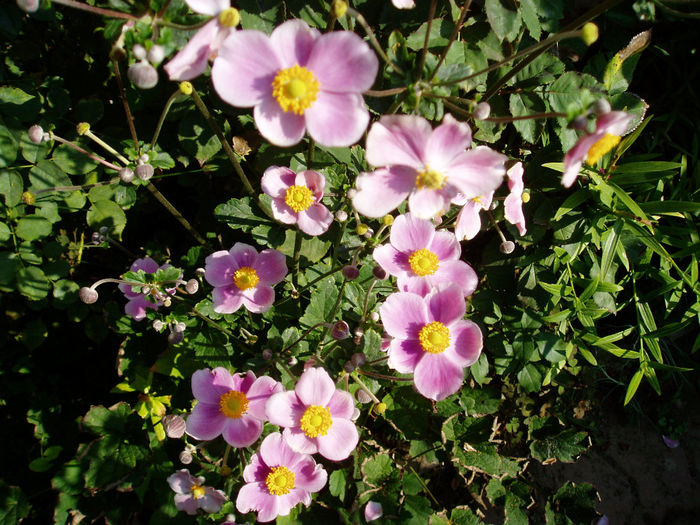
(138, 303)
(191, 493)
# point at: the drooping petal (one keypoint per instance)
(403, 315)
(191, 61)
(402, 4)
(446, 246)
(613, 123)
(208, 7)
(255, 497)
(219, 268)
(243, 255)
(209, 386)
(426, 203)
(446, 305)
(315, 221)
(398, 140)
(404, 355)
(337, 119)
(258, 299)
(299, 441)
(205, 422)
(467, 343)
(343, 63)
(259, 394)
(315, 387)
(187, 503)
(383, 190)
(284, 409)
(468, 221)
(136, 307)
(276, 180)
(410, 233)
(242, 432)
(573, 160)
(226, 299)
(281, 128)
(340, 441)
(341, 405)
(477, 172)
(437, 377)
(293, 41)
(290, 500)
(391, 259)
(271, 266)
(447, 141)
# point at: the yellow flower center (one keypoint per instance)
(245, 277)
(423, 262)
(295, 88)
(600, 148)
(316, 421)
(197, 491)
(233, 404)
(229, 17)
(431, 179)
(434, 337)
(299, 198)
(280, 481)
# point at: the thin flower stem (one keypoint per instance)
(301, 337)
(385, 92)
(364, 387)
(366, 304)
(161, 120)
(382, 376)
(227, 147)
(181, 27)
(453, 36)
(431, 15)
(228, 451)
(495, 223)
(310, 284)
(287, 369)
(96, 10)
(185, 223)
(84, 152)
(456, 108)
(295, 260)
(373, 40)
(425, 487)
(115, 180)
(89, 134)
(310, 154)
(125, 102)
(375, 361)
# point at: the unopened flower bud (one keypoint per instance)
(341, 216)
(101, 238)
(157, 325)
(126, 175)
(358, 359)
(95, 238)
(144, 158)
(350, 272)
(229, 520)
(139, 52)
(180, 327)
(388, 220)
(602, 106)
(144, 171)
(379, 408)
(267, 354)
(167, 302)
(192, 286)
(186, 88)
(87, 295)
(292, 361)
(351, 193)
(174, 426)
(200, 271)
(525, 196)
(82, 128)
(36, 133)
(361, 229)
(481, 111)
(349, 367)
(175, 338)
(185, 457)
(589, 33)
(368, 234)
(359, 333)
(225, 471)
(104, 230)
(355, 414)
(340, 331)
(28, 6)
(143, 75)
(507, 247)
(373, 511)
(338, 8)
(156, 54)
(28, 198)
(374, 316)
(379, 272)
(362, 396)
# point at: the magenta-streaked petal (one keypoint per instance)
(426, 203)
(343, 63)
(477, 172)
(282, 212)
(243, 255)
(404, 314)
(404, 355)
(258, 299)
(191, 61)
(398, 140)
(293, 41)
(284, 409)
(256, 470)
(447, 305)
(392, 260)
(341, 404)
(255, 497)
(446, 246)
(276, 181)
(136, 307)
(468, 221)
(205, 422)
(447, 141)
(290, 500)
(467, 342)
(259, 393)
(573, 160)
(181, 481)
(242, 383)
(300, 442)
(275, 451)
(187, 503)
(209, 386)
(242, 432)
(455, 272)
(281, 128)
(437, 377)
(410, 233)
(313, 180)
(309, 475)
(146, 264)
(315, 387)
(244, 69)
(383, 190)
(271, 266)
(212, 501)
(337, 119)
(208, 7)
(219, 268)
(315, 220)
(340, 440)
(226, 299)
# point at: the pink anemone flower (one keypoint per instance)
(421, 258)
(229, 405)
(513, 205)
(242, 276)
(591, 147)
(278, 479)
(297, 80)
(468, 221)
(430, 167)
(138, 302)
(296, 198)
(316, 416)
(191, 494)
(431, 340)
(192, 59)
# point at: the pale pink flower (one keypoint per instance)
(373, 511)
(430, 167)
(298, 79)
(431, 340)
(139, 302)
(468, 221)
(278, 479)
(421, 258)
(316, 416)
(296, 198)
(513, 205)
(192, 59)
(191, 494)
(404, 4)
(591, 147)
(242, 276)
(229, 405)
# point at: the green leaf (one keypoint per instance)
(262, 15)
(634, 385)
(5, 233)
(321, 304)
(337, 482)
(72, 161)
(46, 174)
(523, 104)
(14, 505)
(528, 10)
(572, 202)
(8, 147)
(661, 207)
(505, 22)
(241, 214)
(480, 400)
(32, 283)
(440, 31)
(377, 469)
(108, 214)
(11, 187)
(530, 378)
(484, 457)
(197, 138)
(564, 446)
(610, 248)
(31, 228)
(65, 292)
(17, 103)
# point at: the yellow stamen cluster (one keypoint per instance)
(600, 148)
(229, 17)
(316, 421)
(245, 277)
(197, 491)
(233, 404)
(430, 179)
(299, 198)
(423, 262)
(280, 481)
(295, 88)
(434, 337)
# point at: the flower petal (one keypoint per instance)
(187, 503)
(293, 41)
(468, 221)
(208, 387)
(437, 377)
(259, 394)
(226, 299)
(313, 180)
(404, 355)
(271, 266)
(340, 441)
(410, 233)
(477, 172)
(383, 190)
(242, 432)
(181, 481)
(219, 268)
(276, 181)
(447, 305)
(192, 60)
(456, 272)
(256, 470)
(446, 246)
(208, 7)
(281, 128)
(205, 422)
(146, 264)
(284, 409)
(513, 205)
(467, 343)
(315, 221)
(341, 405)
(309, 475)
(275, 451)
(426, 203)
(398, 140)
(343, 63)
(212, 501)
(137, 306)
(573, 160)
(404, 314)
(315, 387)
(337, 119)
(254, 496)
(447, 141)
(258, 299)
(243, 255)
(299, 441)
(391, 259)
(282, 212)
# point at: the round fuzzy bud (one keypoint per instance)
(351, 193)
(361, 229)
(589, 33)
(358, 359)
(104, 230)
(355, 414)
(36, 134)
(379, 272)
(580, 122)
(126, 175)
(379, 408)
(101, 238)
(374, 316)
(143, 159)
(192, 286)
(156, 54)
(185, 457)
(507, 247)
(143, 75)
(602, 106)
(267, 354)
(481, 111)
(362, 396)
(167, 302)
(292, 361)
(225, 471)
(338, 8)
(349, 367)
(144, 171)
(186, 88)
(87, 295)
(139, 52)
(388, 220)
(179, 327)
(368, 234)
(340, 331)
(174, 426)
(28, 6)
(175, 338)
(158, 325)
(341, 216)
(350, 272)
(28, 198)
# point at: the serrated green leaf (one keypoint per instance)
(337, 482)
(504, 22)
